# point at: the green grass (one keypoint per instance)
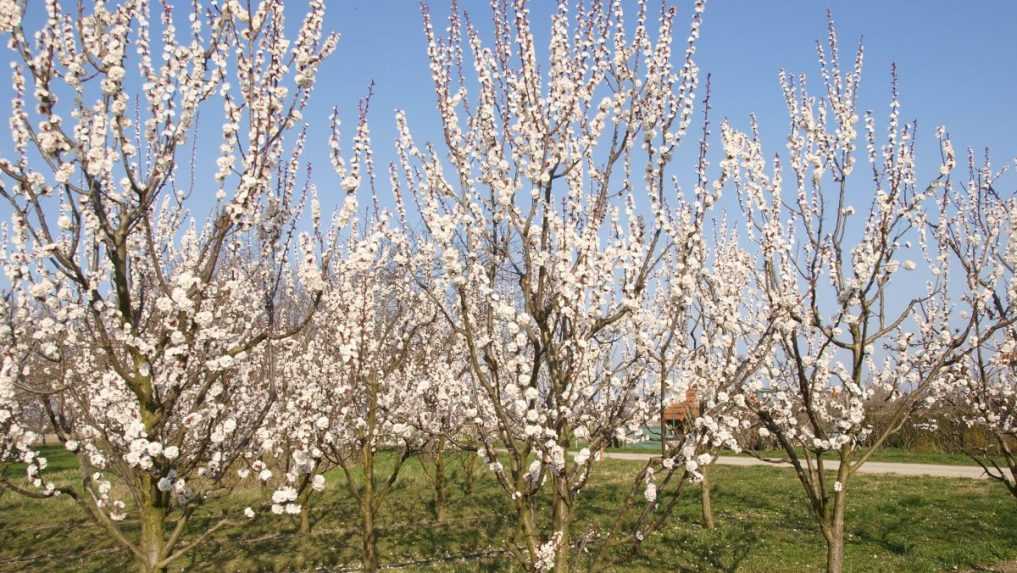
(58, 459)
(894, 524)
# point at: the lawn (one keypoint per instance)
(894, 524)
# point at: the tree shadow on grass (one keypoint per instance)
(451, 537)
(891, 531)
(283, 550)
(722, 550)
(789, 511)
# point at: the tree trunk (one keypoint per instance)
(834, 534)
(1011, 462)
(304, 536)
(708, 522)
(152, 515)
(305, 522)
(152, 502)
(528, 529)
(469, 469)
(440, 493)
(368, 533)
(304, 525)
(835, 551)
(369, 544)
(562, 520)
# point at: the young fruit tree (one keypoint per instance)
(977, 225)
(709, 333)
(351, 386)
(142, 309)
(851, 331)
(358, 373)
(547, 219)
(18, 427)
(704, 331)
(444, 417)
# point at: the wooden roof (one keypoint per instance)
(678, 411)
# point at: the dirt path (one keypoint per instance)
(966, 472)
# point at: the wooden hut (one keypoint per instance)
(677, 411)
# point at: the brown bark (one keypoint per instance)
(368, 533)
(305, 522)
(833, 528)
(440, 485)
(562, 522)
(835, 544)
(152, 515)
(707, 503)
(369, 544)
(528, 529)
(469, 473)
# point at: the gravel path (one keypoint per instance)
(905, 469)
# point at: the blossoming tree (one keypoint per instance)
(19, 346)
(351, 384)
(976, 226)
(445, 417)
(708, 334)
(851, 333)
(543, 252)
(704, 332)
(149, 327)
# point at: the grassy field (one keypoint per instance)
(894, 524)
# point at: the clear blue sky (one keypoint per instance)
(956, 61)
(957, 64)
